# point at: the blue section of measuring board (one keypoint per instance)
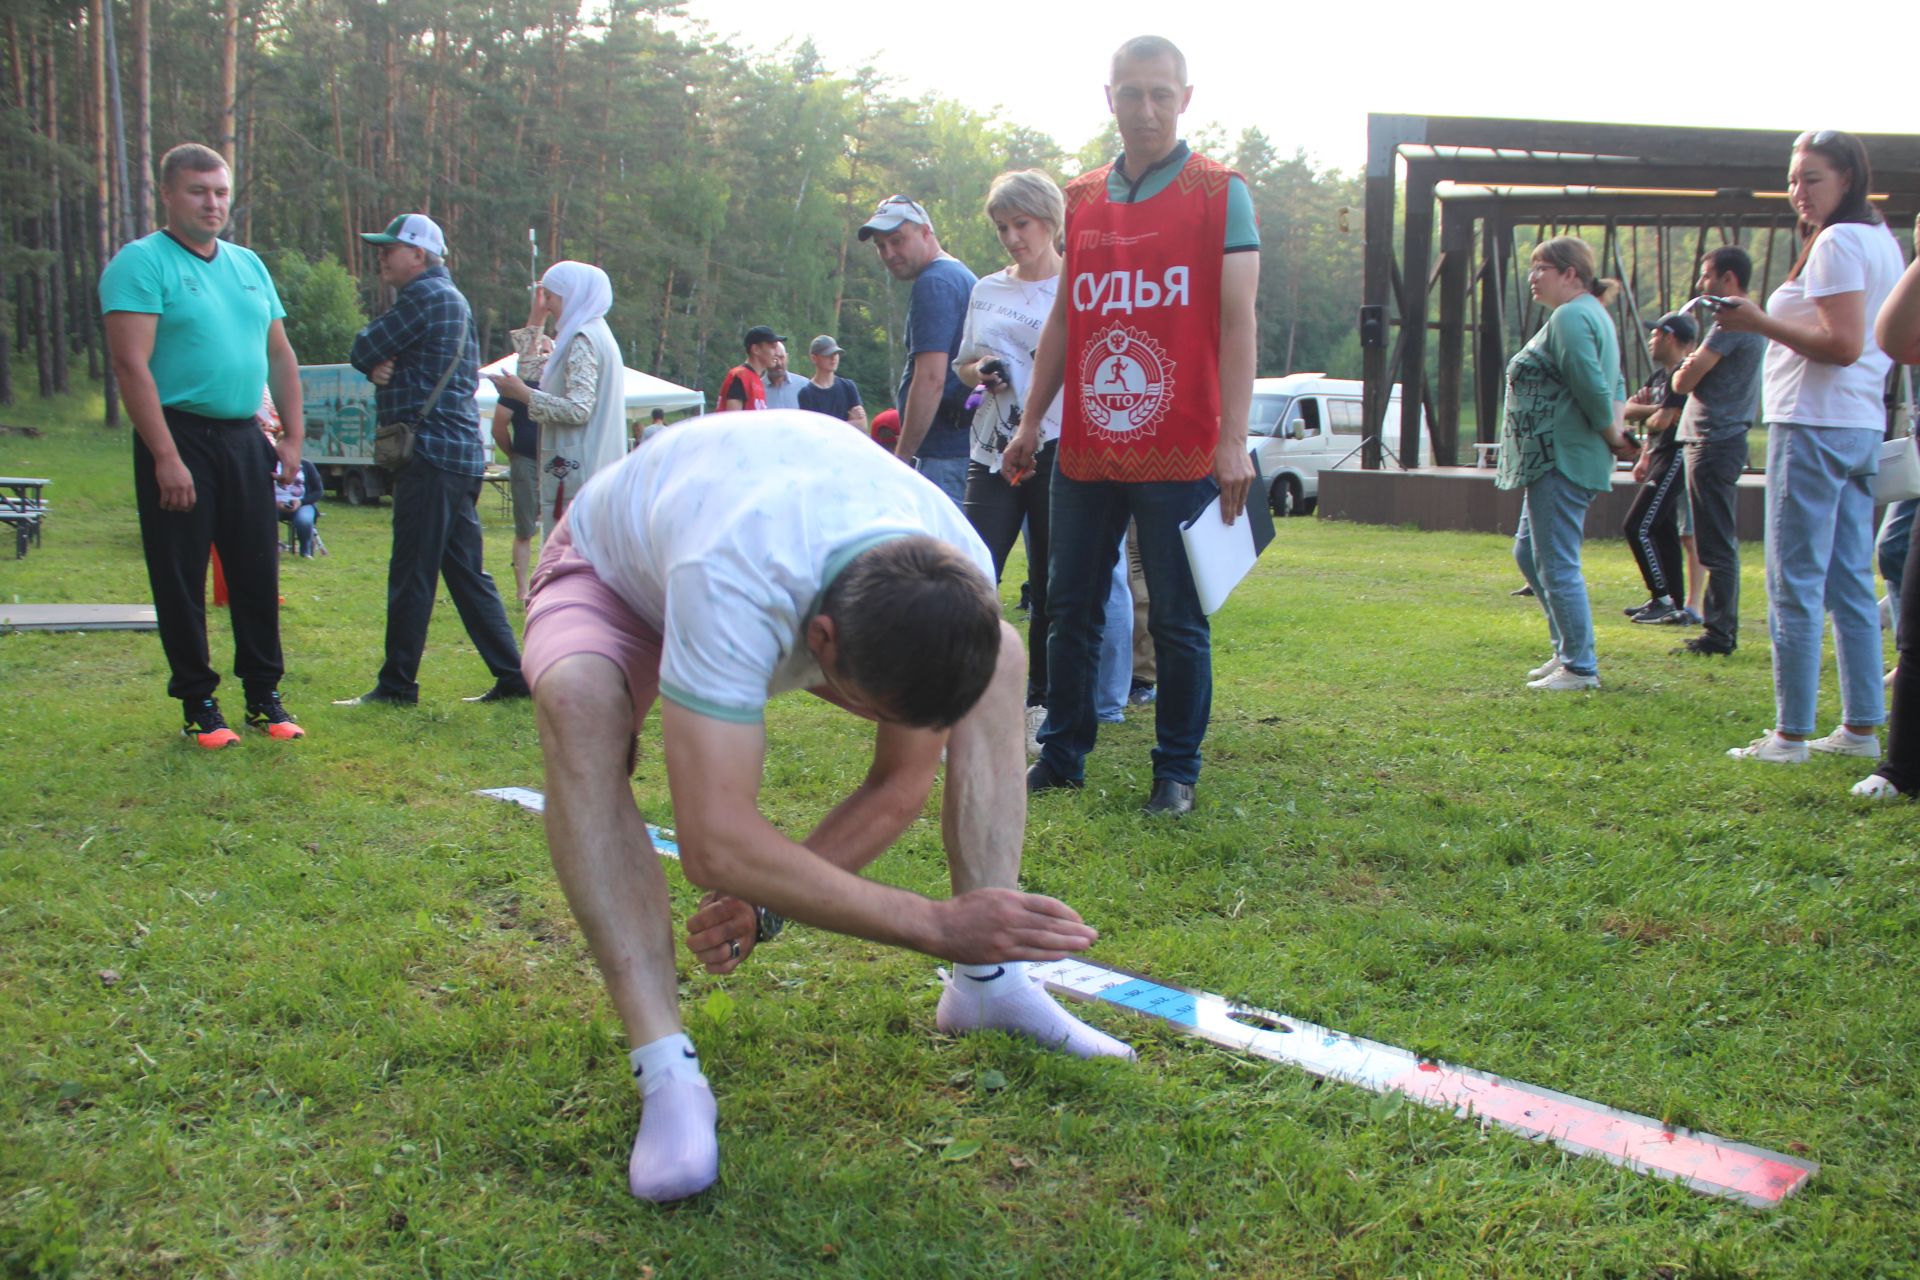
(1151, 998)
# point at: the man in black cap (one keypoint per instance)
(828, 392)
(742, 388)
(1651, 527)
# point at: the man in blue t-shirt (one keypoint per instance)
(194, 327)
(828, 392)
(933, 418)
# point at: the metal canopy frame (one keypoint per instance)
(1488, 176)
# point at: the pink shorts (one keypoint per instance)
(571, 611)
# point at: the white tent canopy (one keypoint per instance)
(645, 392)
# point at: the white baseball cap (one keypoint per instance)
(416, 229)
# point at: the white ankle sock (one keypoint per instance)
(675, 1153)
(1006, 998)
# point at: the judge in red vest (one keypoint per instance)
(1152, 336)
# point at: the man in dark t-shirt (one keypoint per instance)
(828, 392)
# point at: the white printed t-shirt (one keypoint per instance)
(724, 533)
(1004, 318)
(1848, 257)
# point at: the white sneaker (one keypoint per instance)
(1563, 679)
(1545, 669)
(1843, 742)
(1036, 716)
(1875, 787)
(1771, 748)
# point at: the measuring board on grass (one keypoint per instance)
(1708, 1164)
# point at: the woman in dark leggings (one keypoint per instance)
(1898, 333)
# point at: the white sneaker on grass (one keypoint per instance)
(1545, 669)
(1771, 748)
(1564, 680)
(1875, 787)
(1844, 742)
(1036, 716)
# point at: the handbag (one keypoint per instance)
(393, 441)
(1899, 476)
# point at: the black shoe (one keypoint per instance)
(1170, 797)
(206, 726)
(1705, 647)
(271, 718)
(1041, 777)
(1634, 611)
(1660, 612)
(503, 693)
(1141, 694)
(1522, 590)
(375, 698)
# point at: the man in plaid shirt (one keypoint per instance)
(436, 532)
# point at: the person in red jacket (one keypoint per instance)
(743, 387)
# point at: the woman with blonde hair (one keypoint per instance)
(1004, 319)
(1559, 436)
(1823, 384)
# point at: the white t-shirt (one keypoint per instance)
(1004, 319)
(1849, 257)
(724, 533)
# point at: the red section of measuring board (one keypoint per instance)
(1714, 1166)
(1703, 1162)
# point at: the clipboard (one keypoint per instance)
(1219, 553)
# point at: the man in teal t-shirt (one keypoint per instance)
(194, 325)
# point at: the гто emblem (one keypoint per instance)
(1125, 380)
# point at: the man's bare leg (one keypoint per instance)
(983, 821)
(612, 879)
(522, 557)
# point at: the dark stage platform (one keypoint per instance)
(1465, 498)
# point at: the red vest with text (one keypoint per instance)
(1143, 328)
(744, 385)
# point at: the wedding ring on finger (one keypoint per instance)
(733, 948)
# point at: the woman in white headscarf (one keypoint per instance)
(581, 402)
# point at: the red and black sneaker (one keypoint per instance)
(207, 727)
(268, 716)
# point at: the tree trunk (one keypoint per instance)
(122, 209)
(102, 192)
(666, 321)
(349, 242)
(142, 118)
(229, 71)
(56, 312)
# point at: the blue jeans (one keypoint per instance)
(1820, 561)
(302, 521)
(949, 474)
(1546, 546)
(1116, 650)
(1089, 519)
(1890, 548)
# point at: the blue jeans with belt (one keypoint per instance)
(1546, 546)
(1089, 519)
(1820, 561)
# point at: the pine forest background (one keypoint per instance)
(718, 189)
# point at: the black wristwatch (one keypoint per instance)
(767, 925)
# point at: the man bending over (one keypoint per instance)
(729, 560)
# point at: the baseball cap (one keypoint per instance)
(893, 213)
(824, 345)
(758, 334)
(416, 229)
(1676, 324)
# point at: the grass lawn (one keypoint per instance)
(313, 1010)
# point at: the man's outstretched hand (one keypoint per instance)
(988, 926)
(719, 920)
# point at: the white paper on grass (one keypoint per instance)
(1218, 553)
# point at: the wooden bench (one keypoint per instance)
(23, 505)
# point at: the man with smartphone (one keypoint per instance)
(1721, 381)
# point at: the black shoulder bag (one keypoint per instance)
(393, 441)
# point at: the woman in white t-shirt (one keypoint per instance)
(1824, 382)
(1002, 332)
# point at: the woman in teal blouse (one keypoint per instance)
(1559, 437)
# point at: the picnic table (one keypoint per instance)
(23, 504)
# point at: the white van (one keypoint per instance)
(1304, 423)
